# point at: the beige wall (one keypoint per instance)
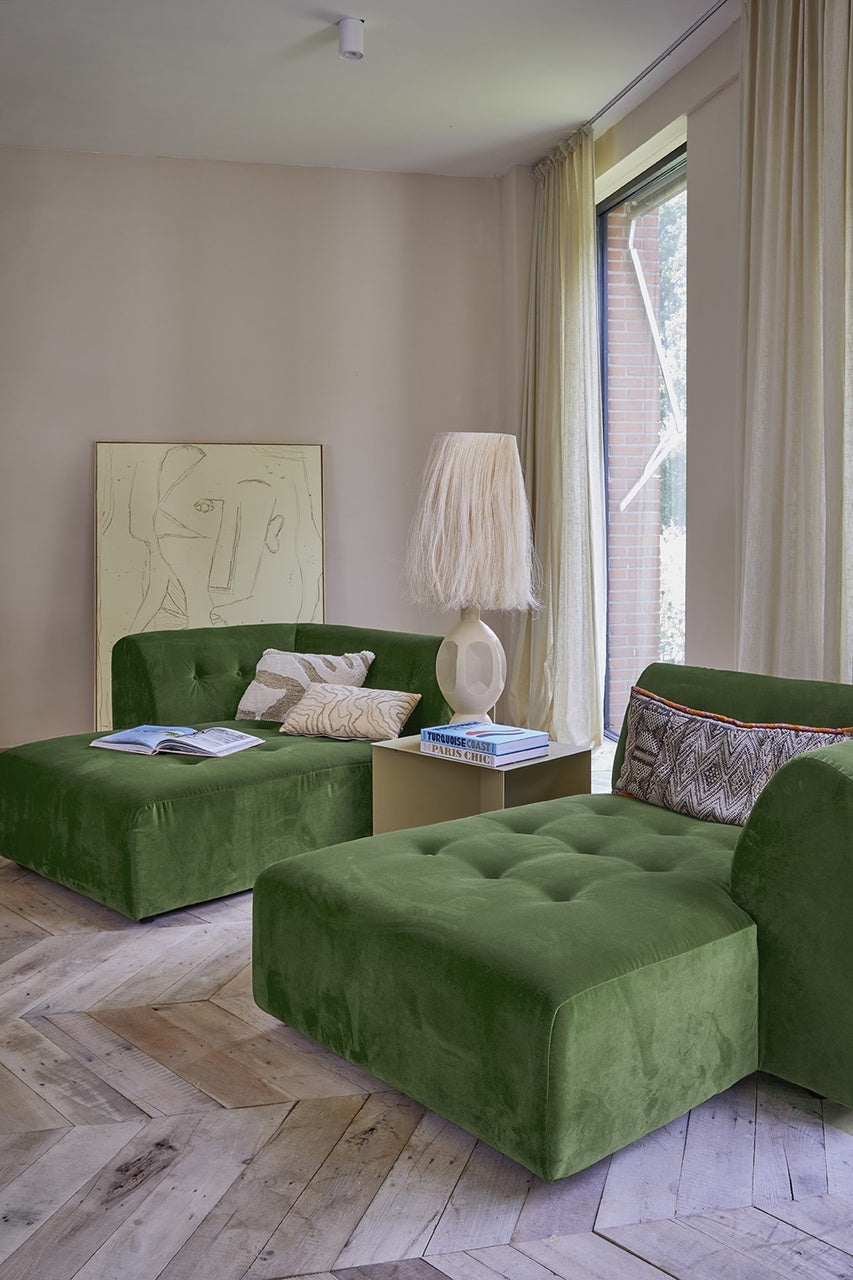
(170, 300)
(703, 100)
(175, 300)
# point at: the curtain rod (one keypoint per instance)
(562, 147)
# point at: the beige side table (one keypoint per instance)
(412, 788)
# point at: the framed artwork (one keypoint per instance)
(201, 535)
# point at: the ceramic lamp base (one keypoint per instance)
(471, 668)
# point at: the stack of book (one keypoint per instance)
(479, 742)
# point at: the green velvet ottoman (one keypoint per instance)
(147, 834)
(558, 979)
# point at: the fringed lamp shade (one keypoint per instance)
(471, 548)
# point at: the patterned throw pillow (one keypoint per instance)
(281, 679)
(705, 765)
(372, 715)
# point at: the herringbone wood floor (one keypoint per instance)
(154, 1122)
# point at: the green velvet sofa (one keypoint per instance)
(562, 978)
(148, 834)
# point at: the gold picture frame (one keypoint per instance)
(196, 534)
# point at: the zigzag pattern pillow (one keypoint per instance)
(705, 765)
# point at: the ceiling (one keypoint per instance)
(458, 87)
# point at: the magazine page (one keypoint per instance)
(144, 739)
(211, 742)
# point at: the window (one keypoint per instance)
(643, 280)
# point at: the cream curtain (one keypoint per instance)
(796, 393)
(557, 653)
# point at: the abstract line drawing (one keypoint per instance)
(200, 535)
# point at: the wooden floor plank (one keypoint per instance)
(90, 1217)
(336, 1177)
(146, 1083)
(838, 1146)
(175, 959)
(405, 1269)
(98, 982)
(642, 1183)
(485, 1205)
(807, 1260)
(684, 1253)
(236, 909)
(19, 1150)
(12, 871)
(719, 1152)
(828, 1218)
(291, 1070)
(589, 1257)
(28, 1201)
(84, 955)
(17, 933)
(214, 969)
(562, 1208)
(237, 1230)
(215, 1073)
(23, 1108)
(744, 1229)
(403, 1215)
(461, 1266)
(217, 1152)
(510, 1263)
(65, 1084)
(313, 1233)
(37, 971)
(58, 909)
(790, 1161)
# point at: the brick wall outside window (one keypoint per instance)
(633, 390)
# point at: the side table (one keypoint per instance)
(412, 788)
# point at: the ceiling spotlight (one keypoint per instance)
(351, 39)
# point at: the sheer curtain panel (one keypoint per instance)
(796, 391)
(557, 653)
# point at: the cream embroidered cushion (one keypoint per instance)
(281, 679)
(705, 765)
(330, 711)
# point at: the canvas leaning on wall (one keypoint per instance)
(200, 535)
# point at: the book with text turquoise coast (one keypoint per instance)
(492, 739)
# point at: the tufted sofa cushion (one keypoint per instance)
(562, 977)
(199, 675)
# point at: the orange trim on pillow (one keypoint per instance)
(740, 724)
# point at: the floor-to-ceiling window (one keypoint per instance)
(643, 247)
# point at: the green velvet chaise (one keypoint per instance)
(149, 834)
(562, 978)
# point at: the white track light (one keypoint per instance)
(351, 39)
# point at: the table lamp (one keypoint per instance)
(471, 548)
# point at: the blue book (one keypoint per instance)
(492, 739)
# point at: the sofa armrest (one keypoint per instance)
(793, 873)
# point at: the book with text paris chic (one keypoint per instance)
(470, 755)
(479, 735)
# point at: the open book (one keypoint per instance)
(148, 739)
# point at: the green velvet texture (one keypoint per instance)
(199, 675)
(742, 695)
(142, 834)
(793, 872)
(147, 834)
(558, 979)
